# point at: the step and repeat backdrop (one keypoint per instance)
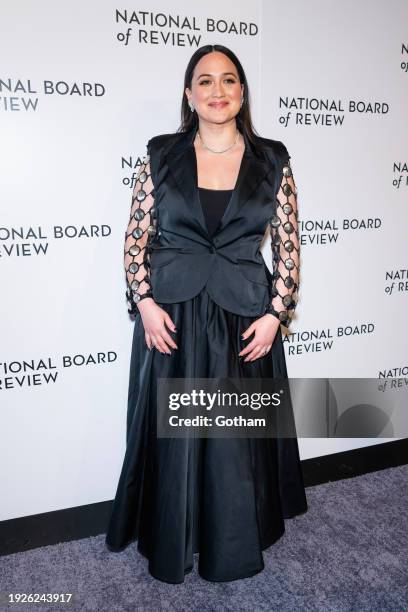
(83, 86)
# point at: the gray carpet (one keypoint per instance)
(348, 552)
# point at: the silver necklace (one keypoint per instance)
(224, 150)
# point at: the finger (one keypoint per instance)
(253, 357)
(162, 346)
(249, 330)
(265, 350)
(169, 322)
(168, 339)
(148, 340)
(153, 339)
(257, 352)
(249, 347)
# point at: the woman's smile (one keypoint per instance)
(218, 105)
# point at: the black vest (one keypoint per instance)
(184, 258)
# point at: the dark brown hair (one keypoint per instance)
(189, 119)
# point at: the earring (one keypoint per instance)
(242, 101)
(191, 105)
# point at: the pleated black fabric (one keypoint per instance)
(224, 498)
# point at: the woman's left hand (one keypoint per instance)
(265, 330)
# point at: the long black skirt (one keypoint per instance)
(225, 498)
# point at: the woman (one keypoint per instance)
(206, 306)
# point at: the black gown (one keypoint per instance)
(223, 498)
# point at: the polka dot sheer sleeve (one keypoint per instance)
(139, 234)
(285, 246)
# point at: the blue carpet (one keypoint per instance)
(348, 552)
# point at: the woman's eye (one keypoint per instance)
(208, 81)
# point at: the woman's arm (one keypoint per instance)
(285, 247)
(141, 228)
(140, 232)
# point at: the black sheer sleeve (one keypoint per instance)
(285, 246)
(140, 231)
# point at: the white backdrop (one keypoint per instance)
(67, 156)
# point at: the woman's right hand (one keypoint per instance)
(154, 321)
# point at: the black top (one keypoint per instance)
(214, 203)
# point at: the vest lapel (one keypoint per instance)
(182, 162)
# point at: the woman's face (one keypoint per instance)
(216, 91)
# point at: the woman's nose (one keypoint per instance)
(218, 90)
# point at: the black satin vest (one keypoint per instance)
(184, 257)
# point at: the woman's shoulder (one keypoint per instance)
(164, 139)
(157, 149)
(159, 146)
(276, 147)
